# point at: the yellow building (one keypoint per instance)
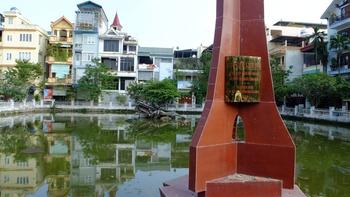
(59, 57)
(21, 40)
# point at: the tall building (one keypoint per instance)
(338, 16)
(20, 40)
(91, 22)
(118, 51)
(287, 42)
(59, 58)
(187, 68)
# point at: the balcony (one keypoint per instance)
(86, 27)
(57, 81)
(51, 59)
(339, 22)
(55, 39)
(310, 69)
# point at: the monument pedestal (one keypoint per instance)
(237, 185)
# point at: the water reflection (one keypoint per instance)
(323, 159)
(90, 155)
(114, 155)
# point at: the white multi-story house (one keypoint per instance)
(118, 51)
(338, 16)
(286, 41)
(21, 40)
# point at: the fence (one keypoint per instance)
(12, 106)
(331, 114)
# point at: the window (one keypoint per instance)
(89, 39)
(132, 48)
(78, 57)
(88, 56)
(111, 63)
(40, 37)
(9, 38)
(6, 179)
(125, 48)
(111, 45)
(8, 56)
(7, 160)
(127, 64)
(61, 71)
(25, 55)
(25, 37)
(10, 20)
(22, 180)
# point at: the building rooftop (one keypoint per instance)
(88, 5)
(116, 22)
(292, 40)
(156, 51)
(62, 18)
(185, 53)
(300, 24)
(329, 11)
(82, 5)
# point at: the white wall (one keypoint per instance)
(165, 71)
(294, 58)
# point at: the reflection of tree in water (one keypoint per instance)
(150, 131)
(158, 131)
(97, 144)
(22, 141)
(323, 166)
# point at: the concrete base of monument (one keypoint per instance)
(237, 185)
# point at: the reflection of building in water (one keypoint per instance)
(58, 163)
(19, 178)
(153, 156)
(95, 178)
(330, 131)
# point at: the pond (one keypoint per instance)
(121, 155)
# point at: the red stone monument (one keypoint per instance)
(220, 165)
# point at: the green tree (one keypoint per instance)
(136, 91)
(154, 92)
(17, 81)
(320, 46)
(200, 86)
(97, 78)
(60, 53)
(280, 80)
(316, 87)
(339, 43)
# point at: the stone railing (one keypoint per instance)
(12, 106)
(331, 114)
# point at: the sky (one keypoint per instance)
(166, 23)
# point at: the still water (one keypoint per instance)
(120, 155)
